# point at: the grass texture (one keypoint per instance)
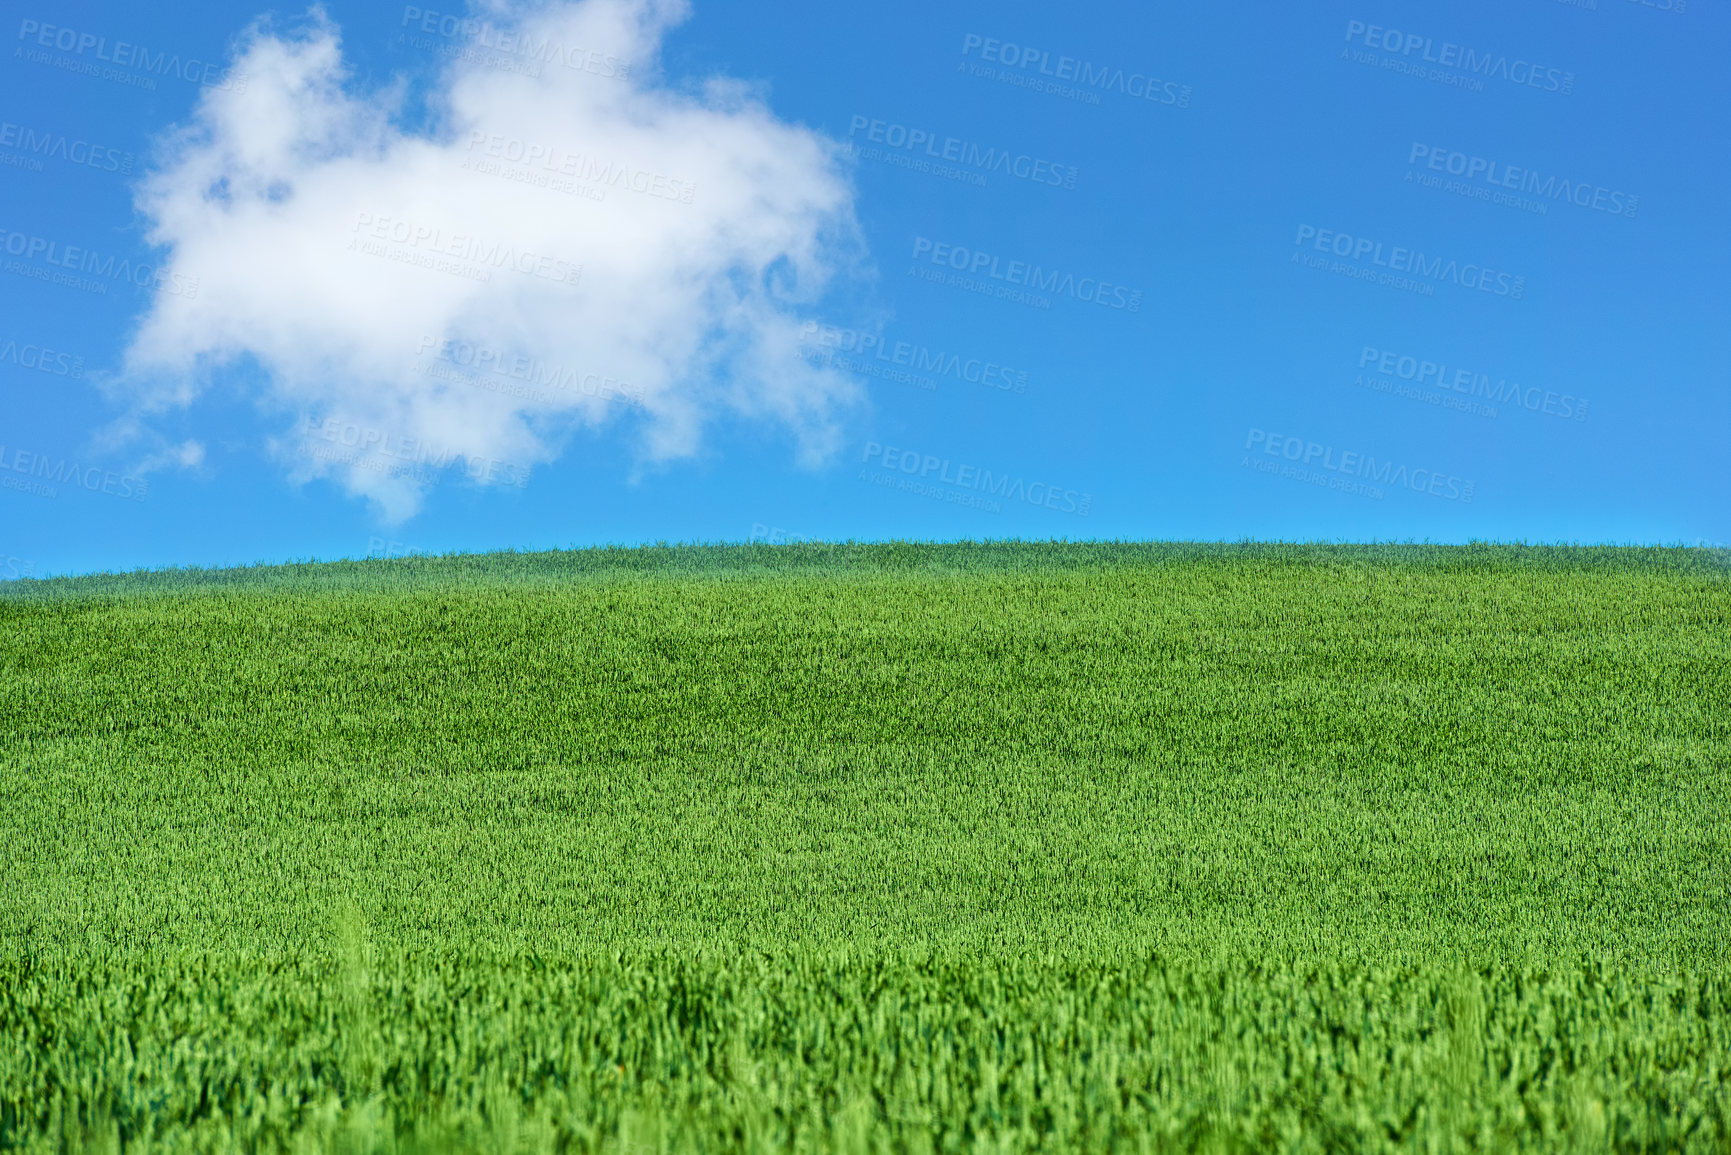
(891, 847)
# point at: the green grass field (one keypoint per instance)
(872, 848)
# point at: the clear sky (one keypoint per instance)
(281, 284)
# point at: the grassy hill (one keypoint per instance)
(867, 846)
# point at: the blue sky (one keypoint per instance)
(413, 278)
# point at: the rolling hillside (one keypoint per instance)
(909, 847)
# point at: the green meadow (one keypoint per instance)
(872, 847)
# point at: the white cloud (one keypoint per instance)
(129, 431)
(632, 239)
